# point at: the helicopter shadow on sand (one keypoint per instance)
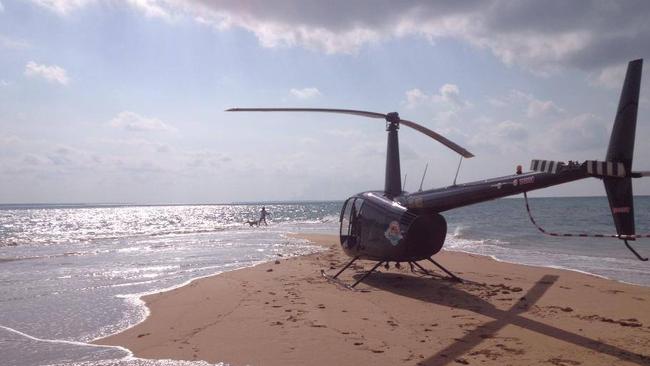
(459, 296)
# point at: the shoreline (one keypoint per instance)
(494, 258)
(241, 325)
(585, 272)
(139, 297)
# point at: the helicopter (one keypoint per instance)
(392, 225)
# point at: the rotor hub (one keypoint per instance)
(392, 121)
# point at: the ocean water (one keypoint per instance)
(71, 274)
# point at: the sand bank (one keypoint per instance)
(286, 313)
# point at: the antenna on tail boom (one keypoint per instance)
(423, 175)
(457, 170)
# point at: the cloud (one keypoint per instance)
(53, 73)
(505, 137)
(42, 157)
(539, 36)
(448, 94)
(540, 108)
(131, 121)
(206, 159)
(610, 77)
(151, 8)
(511, 130)
(534, 107)
(62, 7)
(579, 133)
(305, 93)
(137, 144)
(9, 140)
(415, 97)
(2, 7)
(10, 43)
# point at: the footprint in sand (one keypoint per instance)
(566, 309)
(613, 292)
(563, 362)
(631, 322)
(487, 353)
(516, 351)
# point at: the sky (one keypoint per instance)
(122, 101)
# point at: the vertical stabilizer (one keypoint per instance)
(621, 149)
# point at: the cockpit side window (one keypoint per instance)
(345, 217)
(358, 203)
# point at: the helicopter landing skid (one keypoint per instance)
(424, 271)
(429, 273)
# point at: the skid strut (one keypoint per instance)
(424, 270)
(644, 259)
(367, 274)
(456, 278)
(429, 273)
(346, 267)
(335, 277)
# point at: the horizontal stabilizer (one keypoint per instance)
(605, 168)
(613, 169)
(546, 166)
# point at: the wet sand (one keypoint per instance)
(286, 313)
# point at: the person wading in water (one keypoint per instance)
(263, 214)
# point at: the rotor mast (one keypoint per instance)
(393, 182)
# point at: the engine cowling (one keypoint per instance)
(376, 228)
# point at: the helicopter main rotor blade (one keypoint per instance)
(436, 136)
(325, 110)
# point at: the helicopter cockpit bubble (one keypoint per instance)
(376, 228)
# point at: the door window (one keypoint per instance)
(345, 217)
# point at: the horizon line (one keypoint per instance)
(288, 201)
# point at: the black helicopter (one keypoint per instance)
(396, 226)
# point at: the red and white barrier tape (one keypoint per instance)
(582, 235)
(622, 237)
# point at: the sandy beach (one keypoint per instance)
(286, 313)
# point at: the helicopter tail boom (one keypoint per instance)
(616, 171)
